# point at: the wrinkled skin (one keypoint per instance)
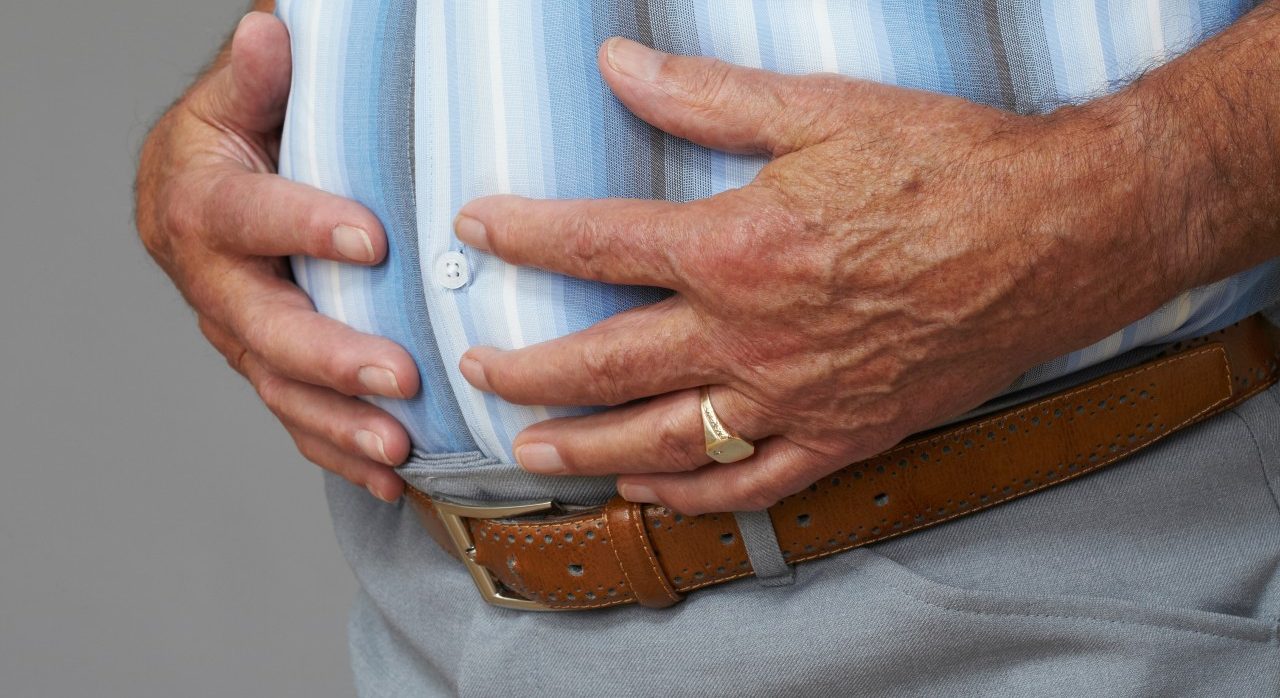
(219, 221)
(901, 259)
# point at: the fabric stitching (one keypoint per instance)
(648, 553)
(1257, 447)
(613, 548)
(1113, 621)
(951, 434)
(978, 426)
(1083, 471)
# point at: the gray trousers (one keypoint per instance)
(1158, 576)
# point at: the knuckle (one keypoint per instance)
(273, 392)
(748, 418)
(236, 358)
(705, 87)
(309, 449)
(264, 328)
(602, 369)
(585, 244)
(224, 200)
(211, 333)
(340, 366)
(179, 215)
(755, 491)
(677, 448)
(330, 429)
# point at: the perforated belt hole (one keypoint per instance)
(881, 499)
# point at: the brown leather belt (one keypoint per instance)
(624, 553)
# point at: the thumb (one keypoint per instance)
(252, 90)
(718, 104)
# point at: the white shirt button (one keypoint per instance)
(452, 271)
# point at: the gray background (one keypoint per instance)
(159, 536)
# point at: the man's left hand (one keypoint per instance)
(903, 257)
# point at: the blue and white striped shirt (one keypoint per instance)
(413, 109)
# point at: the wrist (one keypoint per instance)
(1102, 255)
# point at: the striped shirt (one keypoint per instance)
(413, 109)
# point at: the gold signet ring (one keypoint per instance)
(723, 446)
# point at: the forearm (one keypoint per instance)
(1210, 141)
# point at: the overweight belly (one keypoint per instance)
(413, 109)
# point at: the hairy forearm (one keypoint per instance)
(1210, 149)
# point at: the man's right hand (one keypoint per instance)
(217, 218)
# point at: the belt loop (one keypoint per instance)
(624, 522)
(761, 542)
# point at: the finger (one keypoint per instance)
(252, 92)
(352, 425)
(381, 481)
(645, 351)
(266, 215)
(779, 468)
(621, 241)
(226, 344)
(717, 104)
(276, 321)
(662, 435)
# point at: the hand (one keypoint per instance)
(902, 258)
(219, 221)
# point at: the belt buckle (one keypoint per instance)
(452, 514)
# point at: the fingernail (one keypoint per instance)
(471, 232)
(374, 492)
(539, 458)
(372, 446)
(379, 381)
(353, 243)
(474, 373)
(637, 60)
(638, 493)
